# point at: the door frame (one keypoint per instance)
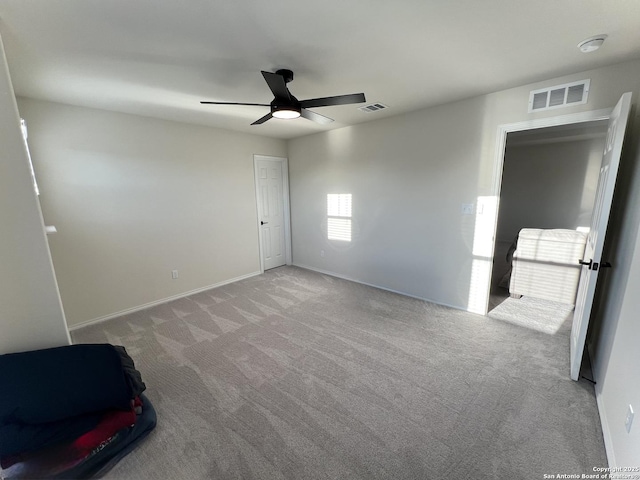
(500, 151)
(285, 203)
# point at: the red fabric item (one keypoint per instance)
(112, 422)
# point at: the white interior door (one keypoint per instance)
(271, 211)
(592, 260)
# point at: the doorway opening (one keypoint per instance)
(548, 182)
(591, 261)
(516, 131)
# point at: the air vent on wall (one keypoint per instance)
(372, 107)
(566, 95)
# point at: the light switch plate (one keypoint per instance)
(467, 208)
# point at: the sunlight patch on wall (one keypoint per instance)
(480, 281)
(339, 216)
(23, 126)
(479, 287)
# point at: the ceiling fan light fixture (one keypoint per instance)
(592, 44)
(286, 113)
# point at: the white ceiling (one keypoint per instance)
(160, 58)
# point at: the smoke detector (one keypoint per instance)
(592, 44)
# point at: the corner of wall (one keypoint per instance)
(31, 314)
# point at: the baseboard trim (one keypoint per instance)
(344, 277)
(604, 423)
(159, 302)
(606, 432)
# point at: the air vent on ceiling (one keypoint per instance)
(373, 107)
(574, 93)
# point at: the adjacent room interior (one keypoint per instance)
(549, 181)
(329, 296)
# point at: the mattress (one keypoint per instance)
(545, 264)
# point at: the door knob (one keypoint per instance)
(582, 262)
(263, 223)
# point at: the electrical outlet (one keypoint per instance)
(629, 420)
(174, 274)
(322, 253)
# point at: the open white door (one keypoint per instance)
(592, 260)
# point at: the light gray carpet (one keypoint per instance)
(297, 375)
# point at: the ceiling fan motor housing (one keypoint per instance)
(286, 74)
(280, 102)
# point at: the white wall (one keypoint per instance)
(134, 198)
(31, 316)
(619, 385)
(550, 185)
(406, 186)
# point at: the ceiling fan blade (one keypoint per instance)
(330, 101)
(315, 117)
(263, 119)
(277, 85)
(236, 103)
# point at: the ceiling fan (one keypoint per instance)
(285, 105)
